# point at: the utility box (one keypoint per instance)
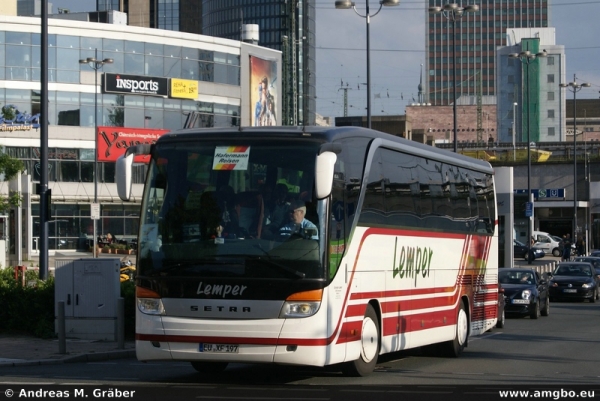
(89, 287)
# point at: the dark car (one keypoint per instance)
(574, 280)
(525, 292)
(595, 253)
(520, 251)
(595, 261)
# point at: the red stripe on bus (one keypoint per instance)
(232, 340)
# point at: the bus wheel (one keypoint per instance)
(453, 348)
(209, 368)
(369, 347)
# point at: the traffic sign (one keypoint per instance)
(544, 193)
(95, 211)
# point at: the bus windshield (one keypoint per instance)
(239, 209)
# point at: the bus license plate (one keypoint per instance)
(219, 348)
(570, 290)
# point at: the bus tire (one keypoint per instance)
(453, 348)
(209, 368)
(369, 347)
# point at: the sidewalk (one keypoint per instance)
(23, 350)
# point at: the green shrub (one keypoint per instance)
(29, 308)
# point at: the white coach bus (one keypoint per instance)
(387, 244)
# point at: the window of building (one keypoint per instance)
(550, 79)
(550, 95)
(551, 131)
(550, 113)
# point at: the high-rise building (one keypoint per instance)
(172, 15)
(26, 8)
(286, 25)
(530, 101)
(472, 39)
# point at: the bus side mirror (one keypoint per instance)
(123, 169)
(324, 174)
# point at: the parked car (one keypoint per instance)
(595, 253)
(551, 244)
(574, 280)
(525, 292)
(520, 251)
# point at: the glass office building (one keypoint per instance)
(284, 25)
(473, 40)
(219, 70)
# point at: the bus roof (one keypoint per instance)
(325, 134)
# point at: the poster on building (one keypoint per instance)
(263, 91)
(114, 141)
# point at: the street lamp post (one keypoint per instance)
(575, 87)
(96, 65)
(526, 58)
(345, 4)
(454, 12)
(514, 132)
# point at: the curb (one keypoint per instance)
(92, 357)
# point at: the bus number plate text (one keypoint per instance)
(219, 348)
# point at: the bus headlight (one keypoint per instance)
(299, 309)
(149, 302)
(301, 304)
(151, 306)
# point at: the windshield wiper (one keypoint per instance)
(269, 262)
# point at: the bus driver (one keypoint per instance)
(298, 223)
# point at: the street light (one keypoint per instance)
(96, 65)
(575, 87)
(454, 12)
(526, 58)
(344, 5)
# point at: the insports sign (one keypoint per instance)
(136, 84)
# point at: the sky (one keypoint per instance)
(398, 51)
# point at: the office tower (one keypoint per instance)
(530, 102)
(172, 15)
(473, 39)
(288, 26)
(26, 8)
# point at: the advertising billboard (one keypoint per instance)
(184, 88)
(263, 92)
(113, 141)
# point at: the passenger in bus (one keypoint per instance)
(298, 224)
(276, 211)
(229, 220)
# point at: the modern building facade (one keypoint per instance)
(286, 25)
(217, 75)
(473, 40)
(533, 84)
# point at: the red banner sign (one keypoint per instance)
(113, 141)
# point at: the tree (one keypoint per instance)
(9, 112)
(9, 169)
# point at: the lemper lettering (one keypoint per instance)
(412, 262)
